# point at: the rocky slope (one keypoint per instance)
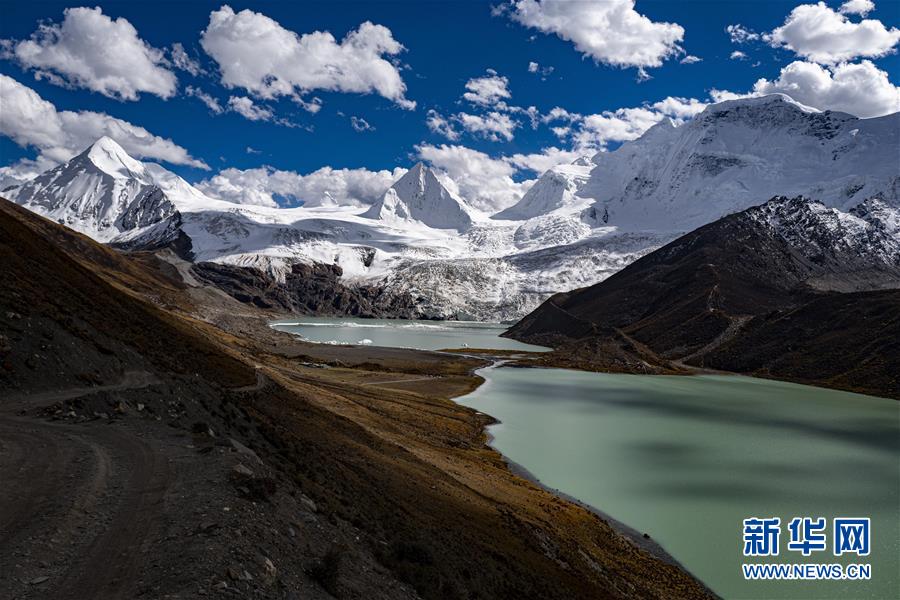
(717, 294)
(306, 289)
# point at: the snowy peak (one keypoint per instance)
(555, 190)
(419, 196)
(108, 156)
(102, 192)
(739, 153)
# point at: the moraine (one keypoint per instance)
(685, 459)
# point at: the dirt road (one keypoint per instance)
(75, 496)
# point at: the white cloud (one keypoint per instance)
(360, 124)
(325, 186)
(248, 109)
(488, 90)
(441, 125)
(610, 32)
(690, 59)
(534, 67)
(539, 162)
(818, 33)
(31, 121)
(182, 60)
(312, 106)
(484, 182)
(738, 55)
(493, 126)
(594, 132)
(210, 102)
(90, 50)
(859, 89)
(679, 108)
(557, 113)
(740, 34)
(256, 53)
(857, 7)
(252, 150)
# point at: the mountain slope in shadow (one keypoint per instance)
(789, 289)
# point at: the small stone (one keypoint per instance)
(271, 571)
(242, 471)
(39, 580)
(244, 450)
(222, 585)
(208, 526)
(308, 503)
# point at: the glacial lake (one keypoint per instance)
(686, 459)
(396, 333)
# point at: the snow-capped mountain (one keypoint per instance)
(577, 225)
(102, 192)
(738, 154)
(419, 196)
(555, 190)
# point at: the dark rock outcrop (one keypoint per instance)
(307, 289)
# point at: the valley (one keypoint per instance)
(270, 473)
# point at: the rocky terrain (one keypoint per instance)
(162, 442)
(790, 289)
(314, 289)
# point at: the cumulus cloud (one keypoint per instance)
(493, 126)
(441, 125)
(360, 124)
(589, 133)
(857, 7)
(822, 35)
(182, 60)
(31, 121)
(484, 182)
(611, 32)
(690, 59)
(256, 53)
(210, 102)
(488, 90)
(740, 34)
(265, 186)
(738, 55)
(90, 50)
(539, 162)
(248, 109)
(859, 89)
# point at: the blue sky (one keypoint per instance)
(446, 44)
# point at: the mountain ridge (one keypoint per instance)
(576, 225)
